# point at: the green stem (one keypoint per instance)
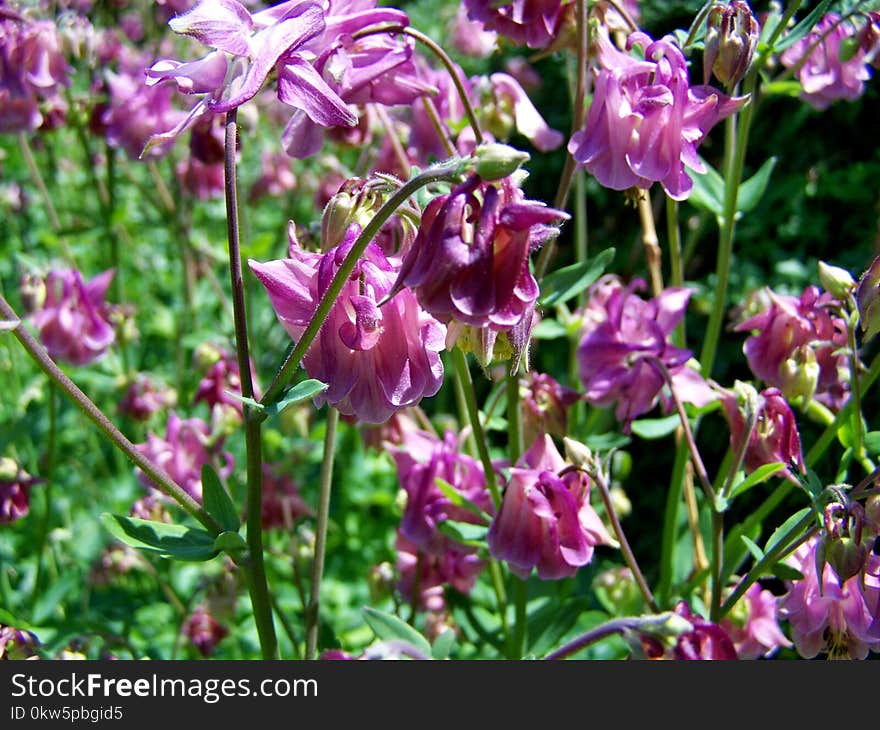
(48, 470)
(717, 563)
(256, 571)
(520, 604)
(322, 519)
(514, 418)
(648, 624)
(448, 170)
(676, 266)
(286, 625)
(856, 398)
(670, 521)
(158, 476)
(463, 374)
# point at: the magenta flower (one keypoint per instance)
(829, 72)
(625, 337)
(144, 397)
(757, 634)
(32, 68)
(646, 121)
(545, 406)
(276, 176)
(470, 37)
(795, 347)
(186, 447)
(15, 486)
(375, 360)
(841, 620)
(545, 520)
(17, 643)
(470, 259)
(203, 630)
(73, 321)
(282, 503)
(455, 568)
(707, 640)
(421, 460)
(222, 382)
(774, 436)
(533, 23)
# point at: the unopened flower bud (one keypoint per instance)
(495, 161)
(839, 282)
(33, 293)
(799, 374)
(730, 42)
(337, 217)
(846, 557)
(207, 355)
(868, 300)
(578, 454)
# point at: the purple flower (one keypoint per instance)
(828, 71)
(73, 321)
(186, 447)
(282, 504)
(32, 69)
(624, 338)
(17, 643)
(646, 121)
(545, 406)
(868, 298)
(545, 520)
(430, 573)
(706, 641)
(774, 436)
(374, 360)
(470, 259)
(757, 634)
(470, 37)
(276, 176)
(532, 23)
(203, 630)
(144, 398)
(15, 485)
(839, 619)
(421, 460)
(795, 347)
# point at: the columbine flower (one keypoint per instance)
(183, 451)
(17, 643)
(528, 22)
(836, 67)
(706, 641)
(144, 397)
(203, 630)
(731, 40)
(545, 406)
(421, 460)
(15, 485)
(545, 520)
(796, 347)
(32, 69)
(375, 360)
(868, 299)
(624, 339)
(839, 619)
(282, 503)
(73, 321)
(469, 261)
(774, 436)
(646, 121)
(470, 37)
(756, 631)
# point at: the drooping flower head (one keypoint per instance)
(837, 617)
(73, 321)
(282, 504)
(796, 345)
(203, 630)
(753, 624)
(15, 485)
(546, 521)
(185, 448)
(375, 360)
(32, 70)
(646, 120)
(421, 460)
(469, 261)
(831, 63)
(774, 437)
(144, 397)
(532, 23)
(545, 405)
(624, 339)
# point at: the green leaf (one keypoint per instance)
(756, 552)
(388, 627)
(217, 501)
(751, 190)
(166, 540)
(761, 474)
(656, 428)
(787, 87)
(549, 329)
(464, 533)
(569, 281)
(872, 442)
(298, 393)
(52, 597)
(786, 572)
(230, 542)
(457, 499)
(802, 28)
(783, 530)
(443, 644)
(708, 192)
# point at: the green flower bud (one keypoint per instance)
(835, 280)
(731, 39)
(495, 161)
